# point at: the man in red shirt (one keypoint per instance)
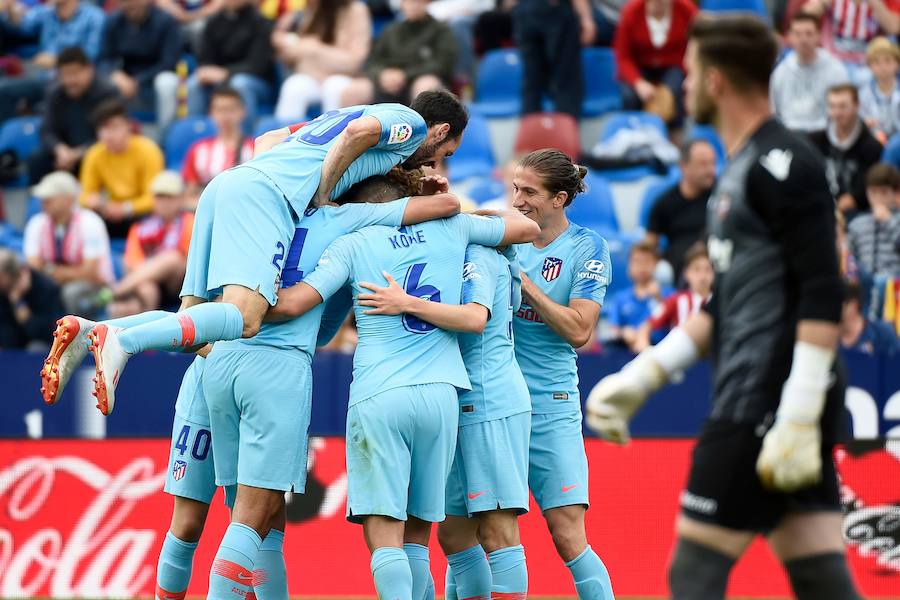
(650, 42)
(210, 156)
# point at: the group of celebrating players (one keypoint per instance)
(465, 388)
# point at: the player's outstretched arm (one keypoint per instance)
(519, 229)
(360, 135)
(393, 300)
(428, 208)
(293, 302)
(617, 397)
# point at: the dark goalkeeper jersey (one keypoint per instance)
(771, 231)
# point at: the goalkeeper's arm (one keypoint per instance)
(616, 398)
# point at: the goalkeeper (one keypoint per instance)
(763, 460)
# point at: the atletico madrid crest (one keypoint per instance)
(552, 268)
(179, 469)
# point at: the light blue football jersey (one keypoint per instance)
(318, 228)
(573, 266)
(427, 260)
(498, 388)
(295, 165)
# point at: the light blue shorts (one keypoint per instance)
(242, 230)
(557, 464)
(400, 445)
(259, 401)
(490, 470)
(191, 473)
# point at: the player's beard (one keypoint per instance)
(422, 155)
(705, 111)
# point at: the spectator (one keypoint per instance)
(879, 100)
(141, 46)
(235, 49)
(493, 29)
(849, 148)
(66, 131)
(801, 81)
(699, 275)
(460, 16)
(849, 268)
(607, 14)
(329, 48)
(860, 334)
(117, 170)
(551, 55)
(156, 251)
(629, 308)
(874, 237)
(29, 305)
(192, 15)
(679, 214)
(852, 24)
(69, 244)
(411, 56)
(57, 24)
(649, 44)
(210, 156)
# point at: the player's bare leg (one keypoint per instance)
(390, 564)
(257, 507)
(416, 534)
(176, 557)
(811, 547)
(498, 532)
(566, 525)
(498, 529)
(188, 519)
(704, 555)
(468, 572)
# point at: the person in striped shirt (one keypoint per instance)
(874, 237)
(699, 275)
(209, 156)
(852, 24)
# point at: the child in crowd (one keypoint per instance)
(879, 99)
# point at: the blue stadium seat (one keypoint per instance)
(594, 209)
(22, 136)
(268, 123)
(631, 120)
(708, 133)
(10, 238)
(498, 88)
(474, 157)
(654, 191)
(486, 188)
(891, 152)
(181, 135)
(757, 7)
(601, 90)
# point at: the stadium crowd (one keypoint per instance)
(119, 87)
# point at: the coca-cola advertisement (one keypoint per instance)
(87, 518)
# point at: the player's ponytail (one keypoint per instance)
(557, 172)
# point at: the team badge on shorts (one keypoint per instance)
(179, 470)
(552, 268)
(400, 132)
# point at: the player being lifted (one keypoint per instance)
(763, 460)
(234, 239)
(489, 477)
(240, 395)
(565, 273)
(402, 422)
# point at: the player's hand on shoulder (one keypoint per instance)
(435, 184)
(617, 397)
(791, 456)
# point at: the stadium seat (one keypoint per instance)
(268, 123)
(485, 189)
(601, 90)
(757, 7)
(22, 136)
(891, 153)
(474, 157)
(542, 130)
(631, 120)
(181, 135)
(498, 88)
(652, 193)
(594, 209)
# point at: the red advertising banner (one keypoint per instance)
(87, 518)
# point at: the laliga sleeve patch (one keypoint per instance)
(400, 132)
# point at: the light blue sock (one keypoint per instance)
(390, 570)
(450, 585)
(472, 573)
(509, 573)
(173, 571)
(131, 320)
(231, 577)
(200, 324)
(419, 565)
(591, 577)
(269, 572)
